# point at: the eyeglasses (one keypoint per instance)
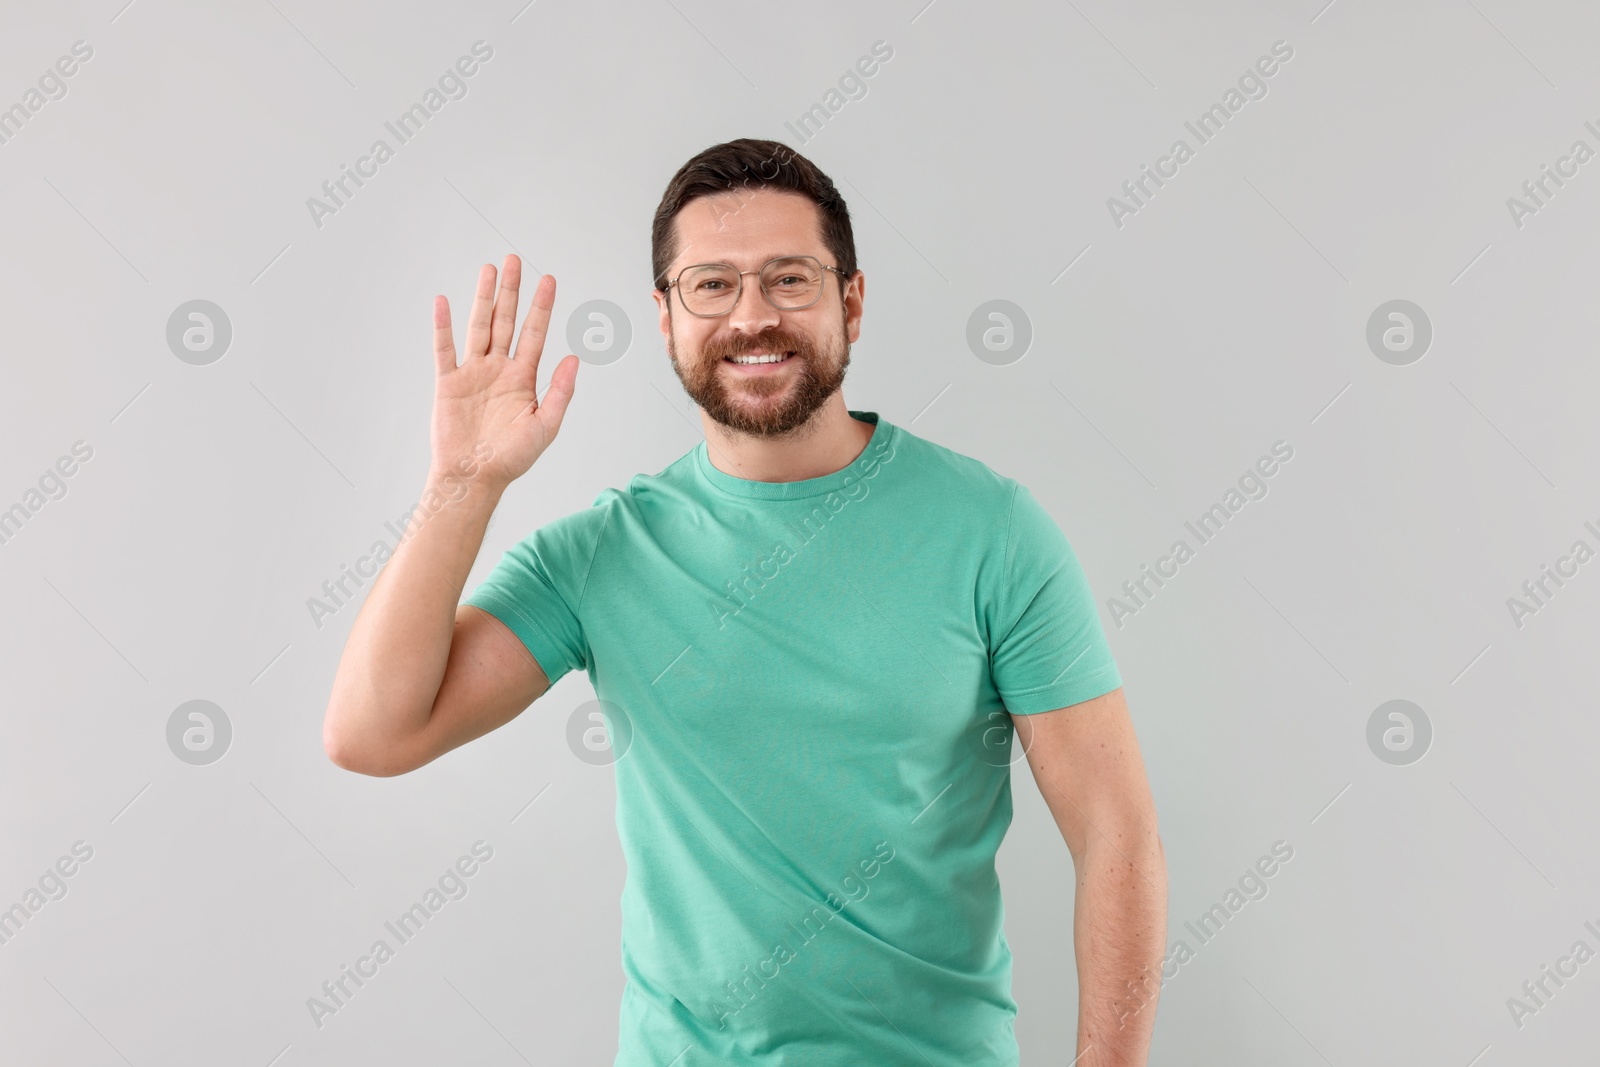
(790, 283)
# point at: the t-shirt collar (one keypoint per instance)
(882, 432)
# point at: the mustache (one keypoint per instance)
(776, 340)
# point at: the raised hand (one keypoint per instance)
(486, 411)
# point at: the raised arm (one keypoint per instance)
(421, 675)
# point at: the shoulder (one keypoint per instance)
(620, 513)
(646, 492)
(987, 507)
(969, 483)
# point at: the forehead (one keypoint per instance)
(748, 227)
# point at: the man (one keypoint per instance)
(812, 633)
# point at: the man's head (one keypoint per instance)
(745, 203)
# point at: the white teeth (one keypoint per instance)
(765, 358)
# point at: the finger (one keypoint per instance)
(505, 307)
(531, 343)
(478, 317)
(554, 405)
(444, 345)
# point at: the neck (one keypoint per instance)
(827, 442)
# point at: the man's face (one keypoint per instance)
(746, 229)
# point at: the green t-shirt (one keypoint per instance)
(811, 682)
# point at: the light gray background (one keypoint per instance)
(1229, 313)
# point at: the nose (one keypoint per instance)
(751, 312)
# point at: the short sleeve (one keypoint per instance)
(1049, 650)
(537, 590)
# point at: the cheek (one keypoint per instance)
(692, 339)
(833, 331)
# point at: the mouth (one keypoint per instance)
(759, 362)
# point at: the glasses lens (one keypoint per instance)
(795, 282)
(709, 289)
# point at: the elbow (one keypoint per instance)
(340, 752)
(1125, 835)
(348, 754)
(346, 760)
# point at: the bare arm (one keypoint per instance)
(1086, 761)
(422, 674)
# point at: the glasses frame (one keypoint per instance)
(739, 292)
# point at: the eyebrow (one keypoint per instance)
(755, 263)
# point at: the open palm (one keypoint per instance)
(486, 411)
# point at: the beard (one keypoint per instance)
(770, 405)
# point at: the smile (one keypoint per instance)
(756, 358)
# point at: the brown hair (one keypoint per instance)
(747, 164)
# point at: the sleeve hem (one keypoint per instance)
(1064, 694)
(539, 645)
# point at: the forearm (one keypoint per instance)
(1119, 934)
(399, 644)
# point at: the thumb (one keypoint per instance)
(554, 406)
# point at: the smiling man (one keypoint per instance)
(814, 634)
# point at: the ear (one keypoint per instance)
(663, 311)
(855, 295)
